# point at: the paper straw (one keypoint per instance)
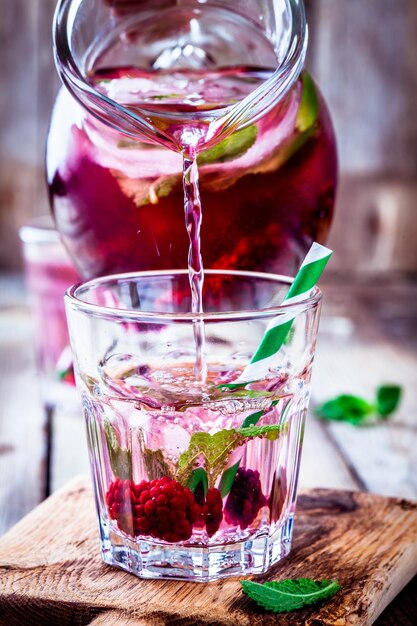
(277, 330)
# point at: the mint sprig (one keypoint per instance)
(290, 594)
(213, 451)
(358, 411)
(388, 398)
(345, 408)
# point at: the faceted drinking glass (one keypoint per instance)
(49, 273)
(195, 477)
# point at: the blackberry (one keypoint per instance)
(245, 498)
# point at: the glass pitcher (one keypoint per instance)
(142, 77)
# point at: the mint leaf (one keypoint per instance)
(155, 464)
(234, 386)
(213, 450)
(387, 399)
(198, 476)
(230, 148)
(305, 123)
(228, 478)
(355, 410)
(253, 418)
(289, 595)
(120, 458)
(144, 191)
(309, 105)
(270, 432)
(345, 408)
(154, 461)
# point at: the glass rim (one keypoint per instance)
(104, 108)
(73, 300)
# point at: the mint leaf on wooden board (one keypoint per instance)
(230, 148)
(345, 408)
(388, 398)
(291, 594)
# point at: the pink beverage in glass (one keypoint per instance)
(267, 190)
(193, 479)
(49, 273)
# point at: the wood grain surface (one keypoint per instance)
(22, 442)
(50, 567)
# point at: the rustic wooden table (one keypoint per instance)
(368, 336)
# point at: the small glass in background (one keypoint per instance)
(49, 272)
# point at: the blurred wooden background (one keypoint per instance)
(363, 55)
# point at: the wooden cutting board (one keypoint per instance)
(51, 572)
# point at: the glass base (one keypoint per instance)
(149, 559)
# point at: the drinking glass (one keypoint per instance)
(195, 477)
(49, 273)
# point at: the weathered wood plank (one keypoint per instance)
(22, 443)
(321, 462)
(383, 455)
(403, 609)
(369, 543)
(18, 154)
(355, 355)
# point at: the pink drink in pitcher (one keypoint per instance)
(167, 80)
(267, 191)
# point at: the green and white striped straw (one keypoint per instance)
(277, 330)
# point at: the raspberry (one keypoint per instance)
(208, 511)
(245, 498)
(162, 508)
